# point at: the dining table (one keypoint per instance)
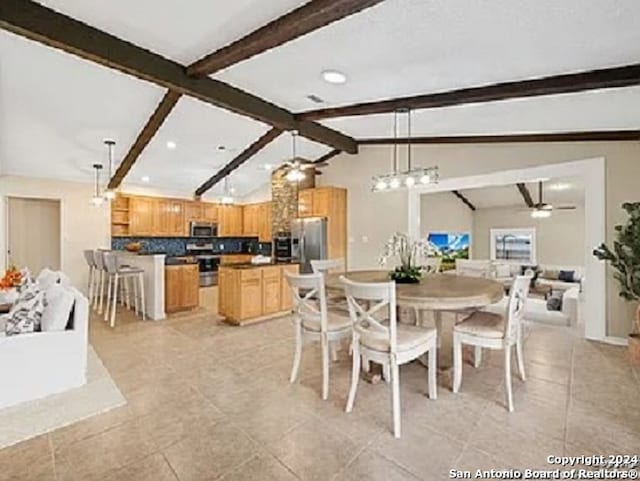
(437, 293)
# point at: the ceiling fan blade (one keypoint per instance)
(321, 164)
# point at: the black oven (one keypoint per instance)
(203, 229)
(282, 247)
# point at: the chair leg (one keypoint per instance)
(142, 302)
(127, 299)
(106, 311)
(89, 286)
(355, 375)
(395, 396)
(477, 356)
(457, 363)
(115, 301)
(386, 373)
(366, 366)
(324, 343)
(297, 355)
(438, 318)
(136, 301)
(433, 372)
(507, 377)
(101, 291)
(520, 357)
(96, 282)
(333, 351)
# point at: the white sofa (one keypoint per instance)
(505, 272)
(38, 364)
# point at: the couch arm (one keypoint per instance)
(570, 304)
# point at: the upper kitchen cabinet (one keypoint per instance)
(142, 216)
(169, 218)
(305, 203)
(193, 211)
(209, 212)
(230, 220)
(256, 221)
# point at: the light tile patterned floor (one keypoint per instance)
(208, 401)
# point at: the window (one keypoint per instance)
(514, 245)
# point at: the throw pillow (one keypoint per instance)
(26, 313)
(554, 303)
(550, 274)
(59, 303)
(566, 276)
(46, 278)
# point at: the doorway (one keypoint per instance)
(33, 233)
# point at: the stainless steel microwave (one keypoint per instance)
(203, 229)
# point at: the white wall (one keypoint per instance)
(444, 212)
(373, 216)
(83, 225)
(559, 239)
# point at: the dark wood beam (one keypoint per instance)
(158, 117)
(526, 195)
(592, 136)
(624, 76)
(311, 16)
(464, 200)
(240, 159)
(328, 156)
(44, 25)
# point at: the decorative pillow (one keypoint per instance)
(554, 303)
(566, 276)
(550, 274)
(58, 306)
(47, 278)
(26, 313)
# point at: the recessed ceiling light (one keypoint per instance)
(171, 145)
(145, 178)
(560, 186)
(334, 77)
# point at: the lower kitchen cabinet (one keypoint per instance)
(181, 287)
(252, 293)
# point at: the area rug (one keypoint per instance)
(27, 420)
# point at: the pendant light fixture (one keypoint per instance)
(97, 198)
(398, 179)
(295, 173)
(110, 194)
(227, 198)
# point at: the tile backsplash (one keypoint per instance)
(177, 246)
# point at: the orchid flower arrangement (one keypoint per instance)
(408, 252)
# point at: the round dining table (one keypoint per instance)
(437, 293)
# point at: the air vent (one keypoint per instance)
(315, 99)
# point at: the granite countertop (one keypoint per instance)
(180, 260)
(248, 265)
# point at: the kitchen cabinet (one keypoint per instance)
(305, 203)
(182, 287)
(253, 293)
(193, 211)
(230, 220)
(209, 212)
(142, 216)
(256, 221)
(235, 259)
(169, 218)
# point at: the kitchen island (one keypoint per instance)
(153, 266)
(250, 293)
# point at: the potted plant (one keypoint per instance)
(624, 257)
(408, 252)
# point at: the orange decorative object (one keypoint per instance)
(12, 278)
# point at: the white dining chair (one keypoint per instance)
(387, 343)
(313, 322)
(494, 331)
(431, 265)
(474, 268)
(100, 274)
(328, 265)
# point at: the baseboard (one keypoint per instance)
(616, 341)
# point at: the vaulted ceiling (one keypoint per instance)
(55, 108)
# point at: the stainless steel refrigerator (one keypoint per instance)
(308, 241)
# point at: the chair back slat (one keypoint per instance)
(367, 299)
(515, 308)
(431, 265)
(328, 265)
(110, 260)
(89, 257)
(309, 298)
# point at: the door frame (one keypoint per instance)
(60, 201)
(592, 172)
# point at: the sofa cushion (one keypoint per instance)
(46, 279)
(59, 303)
(550, 274)
(567, 276)
(554, 303)
(26, 313)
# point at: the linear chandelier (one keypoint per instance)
(398, 179)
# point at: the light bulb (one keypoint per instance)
(109, 194)
(295, 175)
(97, 200)
(381, 184)
(425, 179)
(394, 184)
(541, 214)
(409, 181)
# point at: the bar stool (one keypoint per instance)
(99, 275)
(114, 273)
(91, 263)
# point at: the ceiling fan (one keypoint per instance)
(543, 210)
(302, 164)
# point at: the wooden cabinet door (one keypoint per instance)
(305, 203)
(175, 218)
(224, 291)
(210, 212)
(264, 222)
(193, 211)
(142, 216)
(271, 291)
(172, 287)
(286, 298)
(250, 293)
(162, 218)
(230, 220)
(321, 202)
(190, 297)
(250, 219)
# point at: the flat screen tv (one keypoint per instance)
(449, 246)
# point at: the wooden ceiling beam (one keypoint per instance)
(588, 136)
(36, 22)
(328, 156)
(311, 16)
(464, 200)
(625, 76)
(240, 159)
(526, 195)
(158, 117)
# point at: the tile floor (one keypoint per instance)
(208, 401)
